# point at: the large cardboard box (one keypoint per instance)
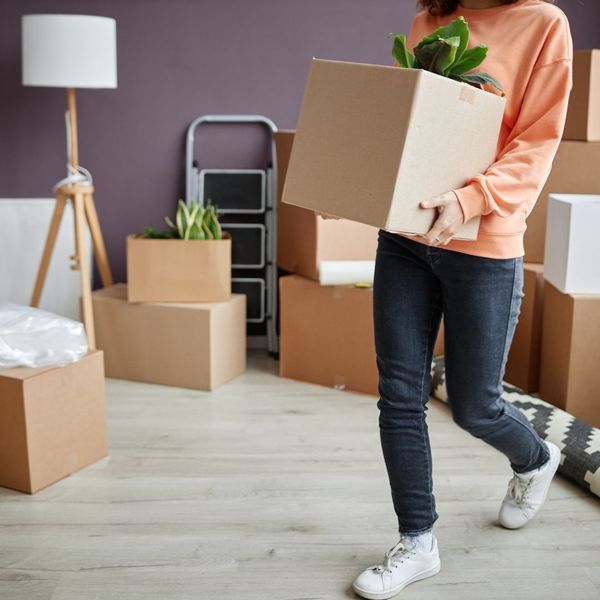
(368, 149)
(570, 350)
(572, 250)
(523, 364)
(304, 239)
(583, 116)
(574, 171)
(172, 270)
(191, 345)
(52, 422)
(326, 335)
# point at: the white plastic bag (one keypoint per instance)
(30, 337)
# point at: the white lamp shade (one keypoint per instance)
(70, 51)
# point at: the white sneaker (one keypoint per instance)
(527, 493)
(403, 564)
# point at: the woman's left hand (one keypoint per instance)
(450, 218)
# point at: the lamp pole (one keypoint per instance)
(72, 109)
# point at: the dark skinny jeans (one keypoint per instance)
(480, 300)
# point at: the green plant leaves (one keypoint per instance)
(457, 28)
(150, 232)
(212, 222)
(444, 52)
(193, 222)
(400, 52)
(470, 59)
(437, 56)
(480, 79)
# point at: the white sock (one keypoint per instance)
(423, 541)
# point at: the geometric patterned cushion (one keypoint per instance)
(579, 442)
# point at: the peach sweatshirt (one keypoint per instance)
(530, 53)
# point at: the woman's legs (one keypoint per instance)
(407, 312)
(480, 299)
(481, 303)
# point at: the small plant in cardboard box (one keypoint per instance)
(173, 266)
(445, 52)
(193, 222)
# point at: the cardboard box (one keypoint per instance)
(572, 249)
(523, 363)
(52, 422)
(368, 149)
(305, 239)
(172, 270)
(583, 115)
(327, 335)
(570, 350)
(574, 171)
(192, 345)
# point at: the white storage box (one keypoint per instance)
(572, 247)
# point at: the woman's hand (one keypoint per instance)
(451, 217)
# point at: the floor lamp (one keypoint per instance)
(72, 51)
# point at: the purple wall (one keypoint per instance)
(179, 59)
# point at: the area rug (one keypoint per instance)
(579, 442)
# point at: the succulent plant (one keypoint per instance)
(445, 52)
(193, 222)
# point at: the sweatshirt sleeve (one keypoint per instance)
(522, 167)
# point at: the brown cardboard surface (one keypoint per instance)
(523, 364)
(52, 422)
(570, 350)
(583, 116)
(305, 239)
(367, 143)
(574, 171)
(194, 345)
(327, 335)
(178, 270)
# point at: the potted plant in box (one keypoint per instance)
(190, 262)
(444, 52)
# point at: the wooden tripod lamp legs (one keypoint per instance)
(97, 240)
(59, 209)
(83, 210)
(84, 269)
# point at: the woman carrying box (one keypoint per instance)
(476, 285)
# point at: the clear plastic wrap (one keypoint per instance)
(31, 337)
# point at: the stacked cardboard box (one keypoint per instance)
(176, 322)
(571, 316)
(326, 331)
(327, 334)
(574, 171)
(305, 239)
(52, 422)
(523, 364)
(198, 345)
(176, 270)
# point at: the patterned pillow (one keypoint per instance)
(579, 442)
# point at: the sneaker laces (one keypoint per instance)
(518, 487)
(393, 556)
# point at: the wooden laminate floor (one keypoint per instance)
(269, 489)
